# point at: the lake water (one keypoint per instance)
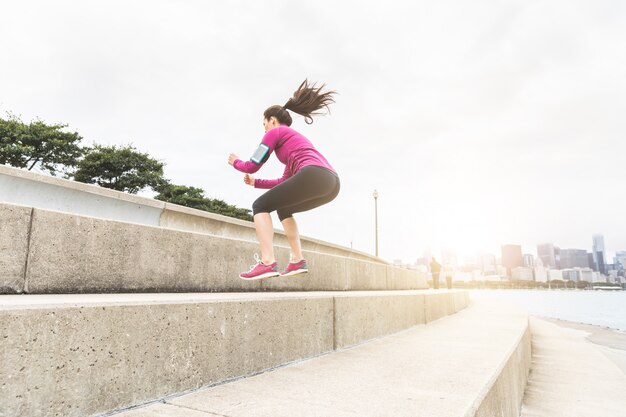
(602, 308)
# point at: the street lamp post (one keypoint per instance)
(376, 218)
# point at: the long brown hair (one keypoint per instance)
(306, 100)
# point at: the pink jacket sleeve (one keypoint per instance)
(266, 184)
(270, 139)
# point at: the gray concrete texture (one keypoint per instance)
(79, 355)
(474, 363)
(14, 234)
(19, 186)
(571, 375)
(191, 220)
(76, 254)
(72, 253)
(82, 361)
(363, 318)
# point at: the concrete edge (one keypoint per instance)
(79, 186)
(504, 392)
(74, 333)
(169, 207)
(71, 253)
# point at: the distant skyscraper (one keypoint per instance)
(529, 260)
(599, 254)
(546, 253)
(488, 264)
(557, 257)
(511, 257)
(620, 260)
(574, 258)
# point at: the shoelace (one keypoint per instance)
(257, 260)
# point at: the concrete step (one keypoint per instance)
(31, 189)
(80, 355)
(474, 363)
(571, 376)
(47, 252)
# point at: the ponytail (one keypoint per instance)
(306, 100)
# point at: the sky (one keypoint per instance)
(479, 123)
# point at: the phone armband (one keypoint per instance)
(261, 154)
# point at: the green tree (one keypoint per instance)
(37, 143)
(221, 207)
(194, 197)
(121, 169)
(182, 195)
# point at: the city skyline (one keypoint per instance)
(573, 255)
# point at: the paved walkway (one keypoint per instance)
(437, 370)
(577, 371)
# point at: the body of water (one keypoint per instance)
(602, 308)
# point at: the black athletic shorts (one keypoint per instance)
(311, 187)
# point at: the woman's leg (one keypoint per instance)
(265, 234)
(293, 236)
(309, 188)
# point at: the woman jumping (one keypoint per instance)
(309, 181)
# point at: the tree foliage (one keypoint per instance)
(119, 168)
(194, 197)
(37, 143)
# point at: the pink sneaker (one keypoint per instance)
(295, 268)
(260, 270)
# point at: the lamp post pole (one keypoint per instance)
(376, 218)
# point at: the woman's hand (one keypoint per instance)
(248, 179)
(232, 158)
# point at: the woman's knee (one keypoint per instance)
(260, 205)
(283, 214)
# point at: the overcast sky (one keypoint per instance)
(479, 123)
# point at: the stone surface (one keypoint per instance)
(400, 279)
(77, 254)
(571, 376)
(191, 220)
(360, 316)
(82, 254)
(19, 186)
(447, 368)
(14, 234)
(166, 410)
(366, 275)
(81, 360)
(326, 272)
(437, 306)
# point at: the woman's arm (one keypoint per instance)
(266, 184)
(270, 139)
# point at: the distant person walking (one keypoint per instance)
(308, 181)
(448, 271)
(435, 270)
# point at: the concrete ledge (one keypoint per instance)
(78, 355)
(76, 254)
(504, 393)
(474, 363)
(14, 234)
(22, 187)
(363, 318)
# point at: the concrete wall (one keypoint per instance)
(15, 223)
(503, 395)
(51, 252)
(22, 187)
(82, 355)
